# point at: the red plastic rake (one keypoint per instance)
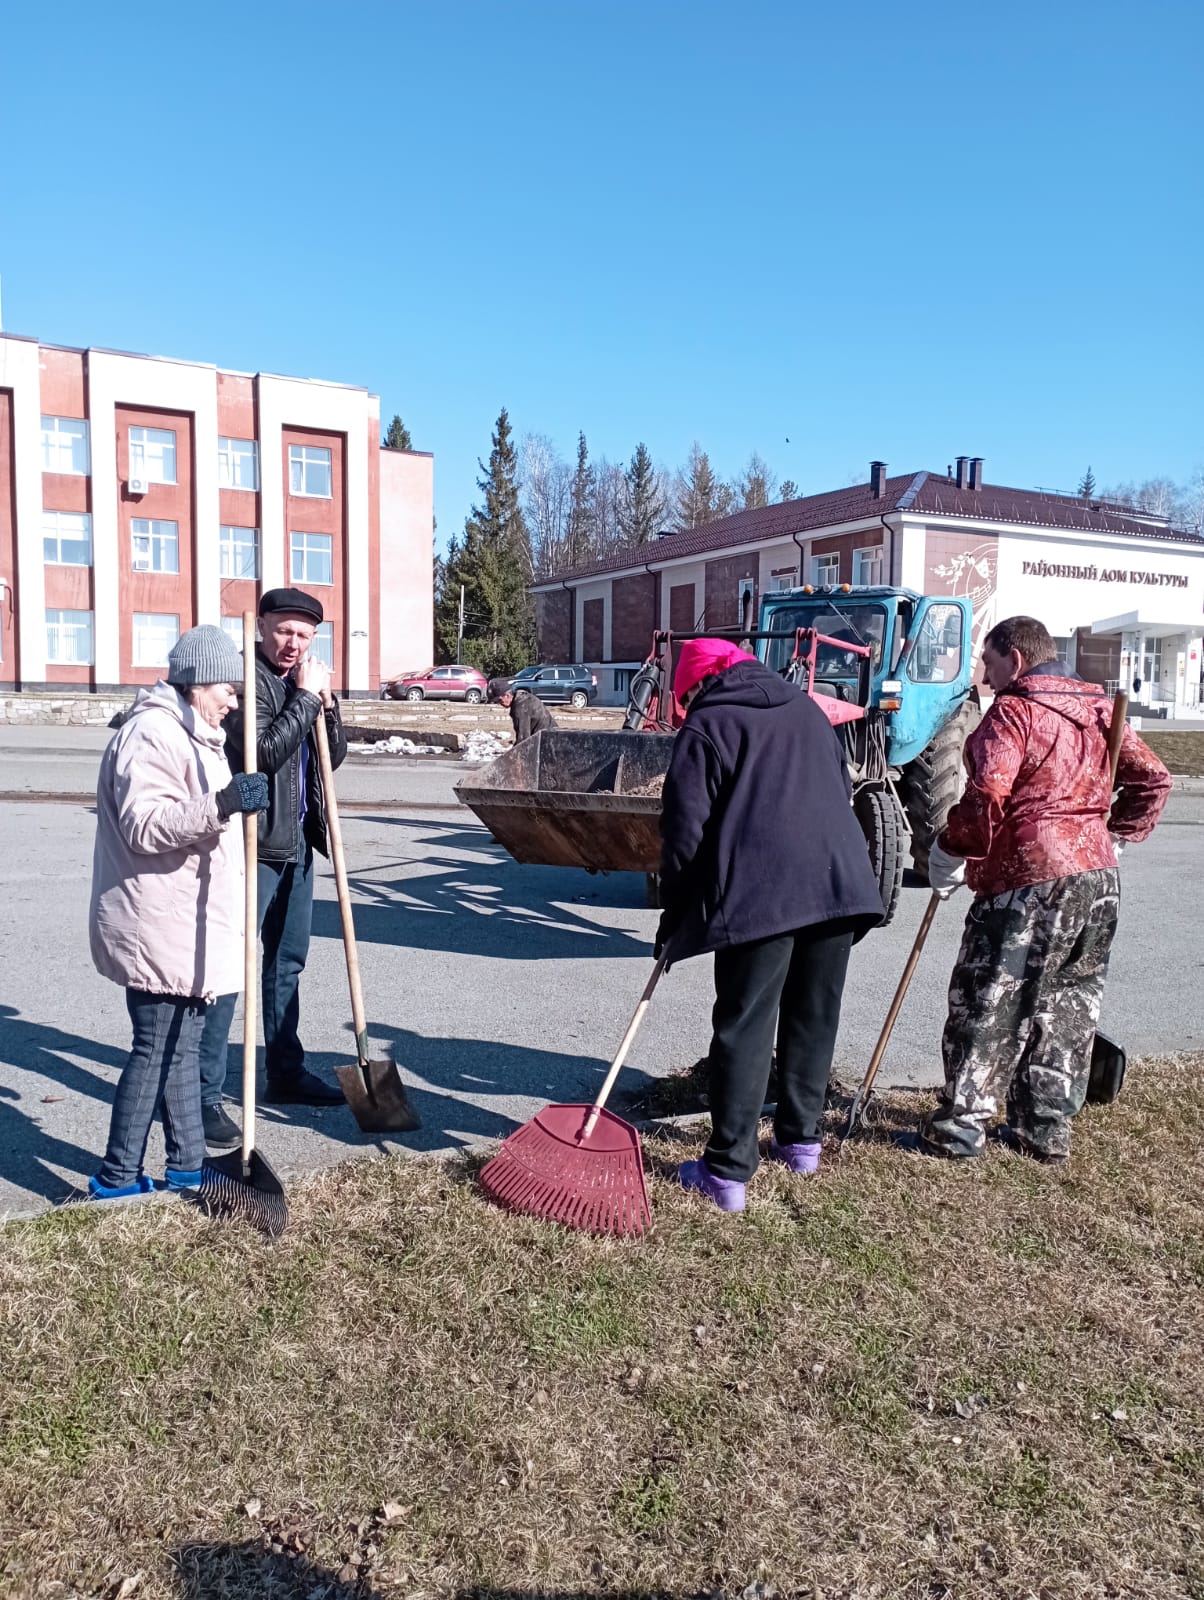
(579, 1165)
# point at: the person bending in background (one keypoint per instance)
(762, 862)
(527, 711)
(1036, 835)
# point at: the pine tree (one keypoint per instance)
(701, 497)
(788, 490)
(1087, 484)
(581, 533)
(642, 510)
(493, 562)
(398, 436)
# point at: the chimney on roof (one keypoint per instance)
(877, 479)
(976, 473)
(961, 471)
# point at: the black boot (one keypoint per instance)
(302, 1089)
(221, 1131)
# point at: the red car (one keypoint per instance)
(437, 683)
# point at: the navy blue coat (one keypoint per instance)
(758, 835)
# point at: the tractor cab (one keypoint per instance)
(919, 663)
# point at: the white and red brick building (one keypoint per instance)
(1122, 592)
(140, 496)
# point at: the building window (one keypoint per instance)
(156, 545)
(322, 648)
(69, 638)
(67, 538)
(65, 445)
(239, 552)
(153, 455)
(311, 558)
(784, 581)
(154, 636)
(867, 566)
(826, 569)
(232, 628)
(309, 471)
(237, 464)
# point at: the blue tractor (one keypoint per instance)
(892, 670)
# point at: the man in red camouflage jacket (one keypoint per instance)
(1036, 835)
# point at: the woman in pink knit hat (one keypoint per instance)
(763, 864)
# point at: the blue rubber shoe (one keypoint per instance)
(177, 1181)
(142, 1185)
(727, 1193)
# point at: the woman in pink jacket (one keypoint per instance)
(166, 919)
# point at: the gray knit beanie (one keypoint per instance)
(204, 655)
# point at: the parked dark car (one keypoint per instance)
(437, 683)
(574, 686)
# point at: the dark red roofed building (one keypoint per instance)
(1120, 590)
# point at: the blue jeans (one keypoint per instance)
(160, 1075)
(286, 902)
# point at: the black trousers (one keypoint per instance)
(790, 985)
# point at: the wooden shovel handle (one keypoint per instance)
(1116, 730)
(250, 834)
(334, 827)
(896, 1005)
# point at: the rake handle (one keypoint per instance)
(250, 834)
(633, 1027)
(350, 949)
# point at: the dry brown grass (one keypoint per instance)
(1183, 753)
(902, 1378)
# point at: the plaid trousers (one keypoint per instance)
(161, 1075)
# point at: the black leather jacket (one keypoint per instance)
(284, 719)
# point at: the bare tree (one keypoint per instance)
(547, 483)
(1158, 497)
(609, 488)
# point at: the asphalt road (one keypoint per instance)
(496, 987)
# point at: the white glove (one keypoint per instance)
(945, 872)
(1118, 844)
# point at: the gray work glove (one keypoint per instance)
(247, 792)
(945, 872)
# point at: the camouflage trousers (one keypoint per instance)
(1023, 1005)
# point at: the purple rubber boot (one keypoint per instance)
(727, 1194)
(798, 1157)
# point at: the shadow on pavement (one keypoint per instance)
(451, 1069)
(25, 1151)
(36, 1048)
(485, 904)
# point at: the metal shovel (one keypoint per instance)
(374, 1089)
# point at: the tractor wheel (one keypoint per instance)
(933, 781)
(882, 823)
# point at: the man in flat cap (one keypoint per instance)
(293, 689)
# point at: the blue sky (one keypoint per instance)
(880, 230)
